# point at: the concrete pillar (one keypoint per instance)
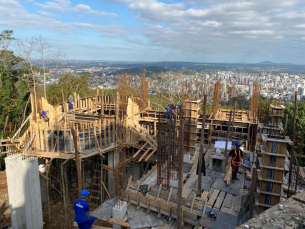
(136, 171)
(118, 212)
(112, 161)
(110, 174)
(24, 192)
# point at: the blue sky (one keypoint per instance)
(168, 30)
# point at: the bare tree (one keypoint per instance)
(26, 51)
(38, 52)
(47, 55)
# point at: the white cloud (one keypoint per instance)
(256, 32)
(65, 6)
(302, 26)
(58, 5)
(46, 14)
(108, 31)
(303, 38)
(87, 9)
(13, 14)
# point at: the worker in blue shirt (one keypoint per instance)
(43, 115)
(176, 109)
(81, 207)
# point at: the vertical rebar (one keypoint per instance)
(180, 174)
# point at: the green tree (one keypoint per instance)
(14, 90)
(299, 122)
(69, 84)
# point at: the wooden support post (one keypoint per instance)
(102, 111)
(226, 147)
(232, 126)
(89, 124)
(78, 164)
(201, 157)
(285, 126)
(180, 174)
(293, 143)
(57, 138)
(100, 131)
(252, 193)
(48, 191)
(64, 190)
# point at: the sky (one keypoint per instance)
(212, 31)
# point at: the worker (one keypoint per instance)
(236, 155)
(172, 108)
(43, 114)
(81, 207)
(71, 100)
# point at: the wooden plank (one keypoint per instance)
(213, 198)
(150, 155)
(100, 131)
(227, 201)
(210, 192)
(57, 139)
(233, 202)
(219, 201)
(136, 154)
(204, 195)
(238, 201)
(141, 158)
(109, 131)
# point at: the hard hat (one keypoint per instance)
(237, 144)
(84, 193)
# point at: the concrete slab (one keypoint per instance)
(139, 218)
(223, 220)
(104, 211)
(207, 181)
(233, 188)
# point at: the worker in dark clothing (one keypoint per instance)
(71, 100)
(172, 108)
(43, 114)
(236, 155)
(81, 207)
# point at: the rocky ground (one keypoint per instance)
(289, 214)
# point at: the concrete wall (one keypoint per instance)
(24, 192)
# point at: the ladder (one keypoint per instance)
(96, 185)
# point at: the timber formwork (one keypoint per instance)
(272, 165)
(217, 128)
(191, 115)
(273, 150)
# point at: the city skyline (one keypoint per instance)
(211, 31)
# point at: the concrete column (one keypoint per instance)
(136, 171)
(112, 161)
(24, 192)
(110, 174)
(118, 212)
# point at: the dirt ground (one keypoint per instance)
(57, 221)
(5, 213)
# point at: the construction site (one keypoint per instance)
(143, 167)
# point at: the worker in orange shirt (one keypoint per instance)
(236, 155)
